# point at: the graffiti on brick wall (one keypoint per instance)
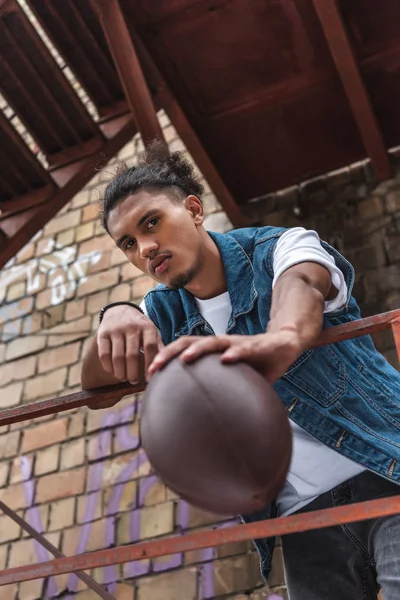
(62, 270)
(128, 441)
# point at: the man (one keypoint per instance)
(262, 295)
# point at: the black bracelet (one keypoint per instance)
(103, 310)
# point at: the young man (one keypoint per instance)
(262, 295)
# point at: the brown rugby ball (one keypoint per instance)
(216, 434)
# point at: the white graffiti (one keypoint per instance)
(63, 272)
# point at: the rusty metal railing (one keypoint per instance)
(204, 539)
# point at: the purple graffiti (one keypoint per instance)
(127, 441)
(34, 519)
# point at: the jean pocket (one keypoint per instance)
(318, 374)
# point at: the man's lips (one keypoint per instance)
(160, 263)
(163, 266)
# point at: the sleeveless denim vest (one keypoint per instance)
(346, 395)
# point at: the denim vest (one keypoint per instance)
(346, 395)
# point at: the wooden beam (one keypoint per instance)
(23, 226)
(74, 153)
(354, 87)
(23, 149)
(167, 100)
(129, 70)
(56, 11)
(22, 203)
(54, 73)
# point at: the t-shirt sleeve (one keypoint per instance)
(143, 307)
(298, 245)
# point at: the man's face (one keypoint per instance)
(159, 235)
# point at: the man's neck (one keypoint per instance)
(210, 281)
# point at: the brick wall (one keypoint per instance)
(360, 217)
(83, 479)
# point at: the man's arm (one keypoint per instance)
(296, 319)
(298, 301)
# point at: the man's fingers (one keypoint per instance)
(247, 351)
(104, 351)
(168, 353)
(190, 348)
(151, 346)
(205, 346)
(132, 343)
(118, 357)
(235, 353)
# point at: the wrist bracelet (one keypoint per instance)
(105, 308)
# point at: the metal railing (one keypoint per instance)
(203, 539)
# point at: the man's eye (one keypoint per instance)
(129, 244)
(152, 222)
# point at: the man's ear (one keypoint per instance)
(195, 207)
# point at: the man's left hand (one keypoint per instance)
(269, 353)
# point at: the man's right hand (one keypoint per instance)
(124, 337)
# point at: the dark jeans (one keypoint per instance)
(347, 562)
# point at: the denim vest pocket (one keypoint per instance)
(318, 373)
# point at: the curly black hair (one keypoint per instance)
(156, 170)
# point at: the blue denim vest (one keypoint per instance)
(346, 395)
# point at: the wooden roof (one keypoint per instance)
(265, 93)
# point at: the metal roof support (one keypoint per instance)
(129, 69)
(354, 86)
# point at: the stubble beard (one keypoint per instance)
(182, 279)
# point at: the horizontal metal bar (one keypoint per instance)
(330, 517)
(76, 400)
(358, 328)
(54, 405)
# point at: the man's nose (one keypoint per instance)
(147, 248)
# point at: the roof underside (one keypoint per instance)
(265, 93)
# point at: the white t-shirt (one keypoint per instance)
(315, 468)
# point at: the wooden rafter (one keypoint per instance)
(22, 148)
(354, 87)
(129, 56)
(168, 101)
(129, 69)
(22, 203)
(21, 227)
